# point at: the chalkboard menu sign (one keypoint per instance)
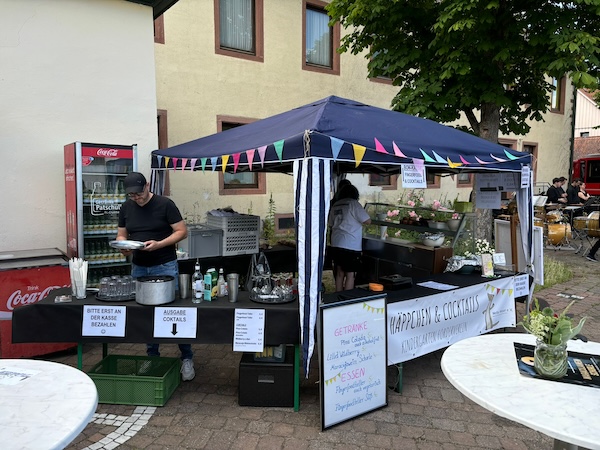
(353, 358)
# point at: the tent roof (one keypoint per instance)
(358, 137)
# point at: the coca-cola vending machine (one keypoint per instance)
(94, 192)
(26, 277)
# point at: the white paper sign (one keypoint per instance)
(249, 330)
(175, 322)
(525, 176)
(413, 177)
(521, 285)
(509, 181)
(103, 321)
(488, 199)
(499, 259)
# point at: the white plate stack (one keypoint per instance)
(78, 269)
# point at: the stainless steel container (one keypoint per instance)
(155, 290)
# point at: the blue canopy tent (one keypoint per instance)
(334, 136)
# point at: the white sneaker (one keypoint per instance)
(187, 370)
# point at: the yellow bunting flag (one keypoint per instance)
(359, 153)
(224, 160)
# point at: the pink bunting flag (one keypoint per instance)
(183, 163)
(193, 163)
(250, 156)
(236, 161)
(379, 147)
(261, 153)
(497, 159)
(464, 161)
(397, 151)
(419, 164)
(175, 163)
(480, 161)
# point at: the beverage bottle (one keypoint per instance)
(207, 287)
(221, 284)
(197, 284)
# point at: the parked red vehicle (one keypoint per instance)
(588, 169)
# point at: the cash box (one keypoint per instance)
(266, 383)
(202, 241)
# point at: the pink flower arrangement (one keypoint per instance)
(455, 216)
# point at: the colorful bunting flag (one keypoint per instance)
(224, 160)
(261, 153)
(379, 147)
(453, 165)
(419, 165)
(438, 158)
(236, 161)
(250, 156)
(480, 161)
(427, 157)
(359, 153)
(510, 155)
(464, 161)
(167, 158)
(336, 147)
(193, 163)
(213, 162)
(397, 151)
(497, 159)
(203, 163)
(183, 163)
(279, 149)
(175, 163)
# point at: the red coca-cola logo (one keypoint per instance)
(106, 152)
(17, 298)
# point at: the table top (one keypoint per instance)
(484, 369)
(43, 404)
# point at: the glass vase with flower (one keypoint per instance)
(552, 332)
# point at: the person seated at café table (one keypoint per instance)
(583, 194)
(555, 193)
(573, 192)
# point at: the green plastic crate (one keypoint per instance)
(136, 380)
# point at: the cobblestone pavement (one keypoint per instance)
(429, 413)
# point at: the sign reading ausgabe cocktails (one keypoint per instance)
(354, 359)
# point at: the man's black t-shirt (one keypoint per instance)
(553, 194)
(150, 222)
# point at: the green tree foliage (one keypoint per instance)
(490, 57)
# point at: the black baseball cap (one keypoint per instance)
(134, 183)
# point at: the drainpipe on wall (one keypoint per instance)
(572, 146)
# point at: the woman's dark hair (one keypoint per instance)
(349, 191)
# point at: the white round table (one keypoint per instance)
(484, 369)
(43, 405)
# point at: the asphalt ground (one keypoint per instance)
(429, 413)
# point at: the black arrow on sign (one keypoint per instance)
(174, 332)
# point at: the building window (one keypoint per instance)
(284, 223)
(381, 78)
(320, 41)
(532, 149)
(239, 29)
(240, 183)
(386, 182)
(557, 97)
(508, 143)
(584, 134)
(464, 179)
(433, 180)
(159, 30)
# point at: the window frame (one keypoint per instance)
(261, 179)
(559, 95)
(534, 156)
(436, 183)
(335, 40)
(259, 38)
(464, 184)
(278, 217)
(393, 181)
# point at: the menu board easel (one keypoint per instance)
(353, 358)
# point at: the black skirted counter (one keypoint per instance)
(47, 321)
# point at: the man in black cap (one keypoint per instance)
(157, 222)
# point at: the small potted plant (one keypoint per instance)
(552, 332)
